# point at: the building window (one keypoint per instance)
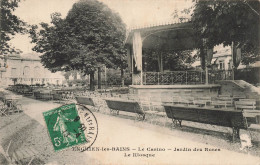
(37, 72)
(26, 71)
(221, 65)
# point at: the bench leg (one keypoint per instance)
(235, 133)
(143, 117)
(174, 122)
(165, 119)
(180, 122)
(238, 133)
(140, 117)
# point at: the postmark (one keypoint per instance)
(90, 125)
(71, 125)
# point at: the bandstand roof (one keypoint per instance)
(175, 36)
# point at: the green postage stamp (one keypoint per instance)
(64, 127)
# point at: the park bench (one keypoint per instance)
(215, 116)
(43, 95)
(219, 104)
(11, 105)
(89, 101)
(227, 99)
(3, 109)
(57, 95)
(249, 108)
(154, 106)
(116, 105)
(27, 92)
(202, 101)
(46, 95)
(237, 97)
(245, 104)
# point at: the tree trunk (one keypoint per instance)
(92, 85)
(160, 62)
(202, 58)
(122, 77)
(99, 78)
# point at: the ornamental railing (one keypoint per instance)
(181, 77)
(174, 77)
(216, 75)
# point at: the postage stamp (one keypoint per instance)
(68, 128)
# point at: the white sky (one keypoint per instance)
(133, 13)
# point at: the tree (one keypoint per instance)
(10, 25)
(229, 21)
(90, 36)
(171, 60)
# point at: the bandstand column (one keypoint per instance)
(137, 58)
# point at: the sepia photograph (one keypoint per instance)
(130, 82)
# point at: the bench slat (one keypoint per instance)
(128, 106)
(207, 116)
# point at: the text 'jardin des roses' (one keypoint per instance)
(144, 151)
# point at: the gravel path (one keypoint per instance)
(28, 130)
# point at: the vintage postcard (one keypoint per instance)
(129, 82)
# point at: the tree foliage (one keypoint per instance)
(172, 60)
(91, 35)
(10, 25)
(229, 21)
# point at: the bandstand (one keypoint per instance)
(175, 36)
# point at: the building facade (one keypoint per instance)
(26, 69)
(222, 58)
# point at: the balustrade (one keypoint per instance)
(181, 77)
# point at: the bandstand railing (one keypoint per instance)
(181, 77)
(216, 75)
(174, 77)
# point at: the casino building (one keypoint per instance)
(26, 69)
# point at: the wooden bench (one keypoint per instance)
(218, 104)
(202, 101)
(11, 104)
(249, 108)
(225, 98)
(245, 104)
(116, 105)
(214, 116)
(27, 91)
(86, 100)
(156, 109)
(44, 95)
(3, 109)
(237, 97)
